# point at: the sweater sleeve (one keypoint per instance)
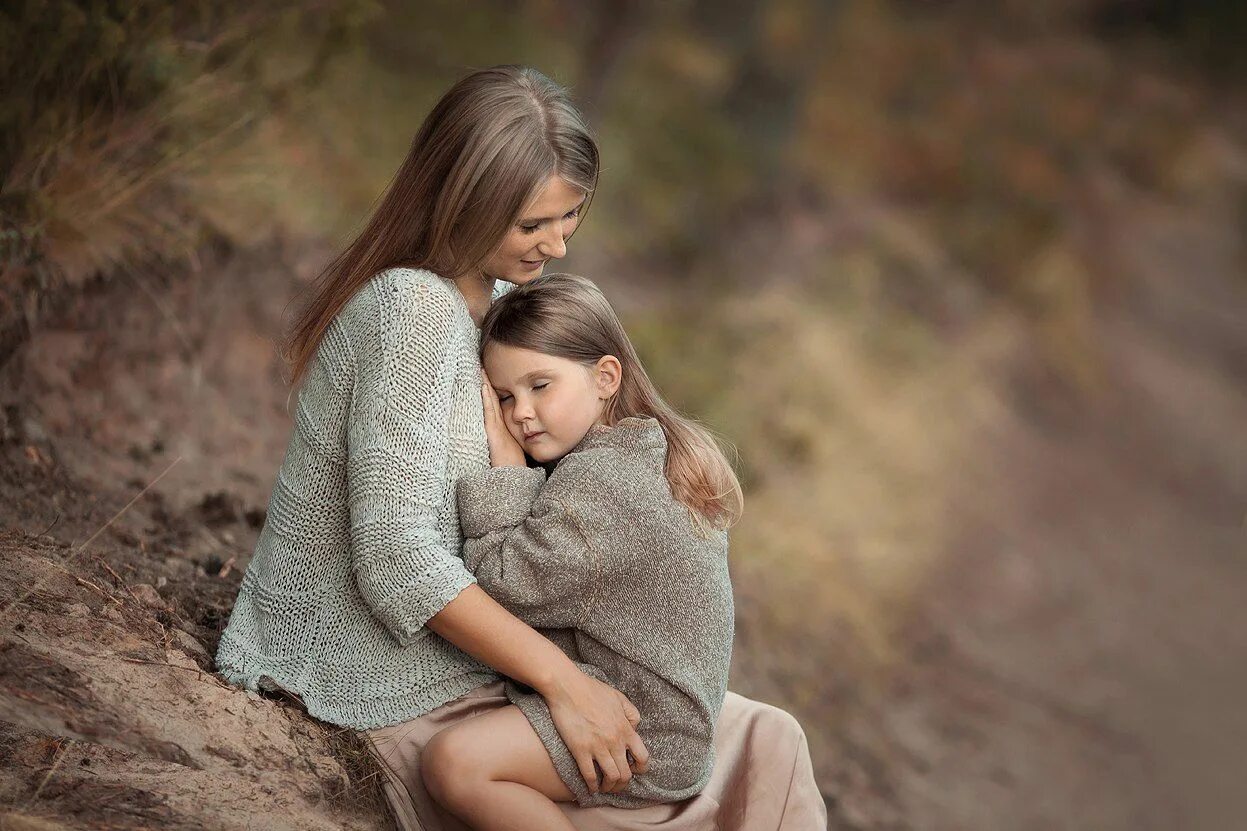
(526, 543)
(397, 450)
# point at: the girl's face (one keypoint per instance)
(549, 403)
(539, 234)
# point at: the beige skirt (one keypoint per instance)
(762, 780)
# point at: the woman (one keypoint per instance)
(357, 600)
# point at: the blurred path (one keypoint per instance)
(1081, 659)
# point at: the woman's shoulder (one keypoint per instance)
(406, 294)
(501, 287)
(416, 284)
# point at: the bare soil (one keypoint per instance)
(1076, 660)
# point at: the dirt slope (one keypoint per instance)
(1075, 660)
(109, 714)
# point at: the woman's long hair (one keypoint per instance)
(483, 151)
(568, 317)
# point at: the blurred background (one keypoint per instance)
(963, 282)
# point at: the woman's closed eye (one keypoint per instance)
(532, 228)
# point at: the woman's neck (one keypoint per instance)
(477, 291)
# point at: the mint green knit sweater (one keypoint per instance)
(362, 543)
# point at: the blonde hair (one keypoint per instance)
(568, 317)
(483, 151)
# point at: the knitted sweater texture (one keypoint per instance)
(362, 544)
(607, 564)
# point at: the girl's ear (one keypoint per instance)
(607, 375)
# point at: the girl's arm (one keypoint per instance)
(581, 706)
(596, 721)
(523, 539)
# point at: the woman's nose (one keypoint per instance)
(554, 245)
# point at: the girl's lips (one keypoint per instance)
(534, 436)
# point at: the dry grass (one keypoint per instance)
(127, 115)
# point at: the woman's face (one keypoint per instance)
(539, 234)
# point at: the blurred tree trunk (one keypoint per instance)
(615, 26)
(775, 47)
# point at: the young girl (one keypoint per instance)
(619, 557)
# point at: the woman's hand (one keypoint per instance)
(598, 725)
(504, 450)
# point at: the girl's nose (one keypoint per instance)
(554, 245)
(522, 411)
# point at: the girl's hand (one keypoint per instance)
(598, 725)
(504, 450)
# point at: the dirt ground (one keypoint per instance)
(138, 432)
(1076, 661)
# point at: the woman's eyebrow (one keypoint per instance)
(535, 220)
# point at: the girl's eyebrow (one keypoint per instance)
(536, 221)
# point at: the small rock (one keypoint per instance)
(148, 596)
(124, 537)
(33, 430)
(189, 644)
(310, 789)
(22, 822)
(178, 658)
(78, 610)
(162, 581)
(334, 785)
(114, 614)
(220, 508)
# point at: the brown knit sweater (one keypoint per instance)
(608, 565)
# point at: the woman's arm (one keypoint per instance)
(395, 470)
(596, 721)
(396, 453)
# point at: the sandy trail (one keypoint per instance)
(1076, 660)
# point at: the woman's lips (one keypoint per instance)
(532, 265)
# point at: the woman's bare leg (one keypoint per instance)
(494, 773)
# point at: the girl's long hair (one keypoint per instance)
(482, 153)
(568, 317)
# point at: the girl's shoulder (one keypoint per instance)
(635, 446)
(634, 433)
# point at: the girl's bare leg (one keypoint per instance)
(493, 772)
